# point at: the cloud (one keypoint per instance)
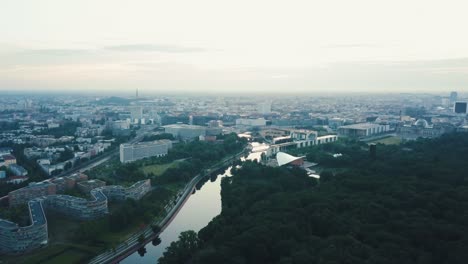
(56, 52)
(353, 45)
(38, 57)
(13, 57)
(155, 48)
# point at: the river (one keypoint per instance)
(197, 212)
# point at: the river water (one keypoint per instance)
(196, 213)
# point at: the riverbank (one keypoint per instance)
(131, 245)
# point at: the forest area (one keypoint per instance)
(408, 204)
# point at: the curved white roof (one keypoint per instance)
(284, 158)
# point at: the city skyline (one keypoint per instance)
(245, 47)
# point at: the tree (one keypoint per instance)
(156, 241)
(156, 229)
(181, 250)
(407, 206)
(326, 176)
(68, 165)
(142, 251)
(141, 238)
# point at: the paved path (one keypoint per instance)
(131, 245)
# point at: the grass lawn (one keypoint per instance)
(55, 254)
(388, 141)
(159, 169)
(61, 228)
(62, 249)
(110, 238)
(69, 256)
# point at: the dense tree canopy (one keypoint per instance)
(409, 205)
(158, 137)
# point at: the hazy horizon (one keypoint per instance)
(208, 46)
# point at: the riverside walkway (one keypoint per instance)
(131, 244)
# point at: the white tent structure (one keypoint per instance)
(284, 158)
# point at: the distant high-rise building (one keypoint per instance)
(137, 93)
(251, 122)
(215, 123)
(190, 120)
(136, 113)
(453, 97)
(264, 108)
(460, 107)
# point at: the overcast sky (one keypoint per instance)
(216, 45)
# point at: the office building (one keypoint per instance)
(362, 130)
(304, 135)
(121, 125)
(453, 97)
(133, 152)
(185, 132)
(460, 107)
(215, 123)
(136, 113)
(251, 122)
(301, 143)
(264, 108)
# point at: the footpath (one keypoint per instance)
(131, 244)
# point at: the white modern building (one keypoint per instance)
(133, 152)
(136, 113)
(264, 108)
(251, 122)
(362, 130)
(184, 131)
(311, 141)
(121, 124)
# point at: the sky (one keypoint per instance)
(113, 46)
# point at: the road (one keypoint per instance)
(102, 158)
(106, 156)
(131, 245)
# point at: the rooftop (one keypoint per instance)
(9, 157)
(183, 126)
(7, 224)
(361, 126)
(37, 214)
(148, 143)
(284, 158)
